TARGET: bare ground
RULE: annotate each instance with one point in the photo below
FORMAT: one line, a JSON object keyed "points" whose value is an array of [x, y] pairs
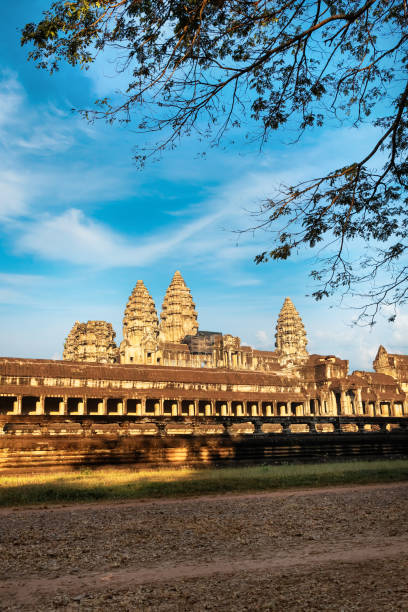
{"points": [[337, 549]]}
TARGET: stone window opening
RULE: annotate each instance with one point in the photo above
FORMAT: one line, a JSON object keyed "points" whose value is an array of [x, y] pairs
{"points": [[114, 405], [184, 407], [74, 406], [297, 408], [94, 405], [204, 408], [150, 406], [133, 407], [52, 405], [7, 404], [167, 407], [237, 409]]}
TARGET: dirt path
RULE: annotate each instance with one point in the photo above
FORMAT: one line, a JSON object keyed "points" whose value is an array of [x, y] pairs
{"points": [[33, 591], [342, 548]]}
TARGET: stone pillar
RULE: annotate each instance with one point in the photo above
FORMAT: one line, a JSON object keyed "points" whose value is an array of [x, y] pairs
{"points": [[39, 405], [343, 402], [332, 404], [158, 408], [174, 408], [392, 408], [192, 409], [207, 409], [81, 406], [103, 406], [143, 406], [358, 402], [254, 410], [121, 409], [306, 406], [224, 409], [62, 408], [269, 409], [17, 405]]}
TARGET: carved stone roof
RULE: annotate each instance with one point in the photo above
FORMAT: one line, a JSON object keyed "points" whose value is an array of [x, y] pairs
{"points": [[11, 366], [140, 322], [290, 334], [178, 317]]}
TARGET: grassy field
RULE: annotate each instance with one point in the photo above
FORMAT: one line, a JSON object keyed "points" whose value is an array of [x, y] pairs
{"points": [[111, 484]]}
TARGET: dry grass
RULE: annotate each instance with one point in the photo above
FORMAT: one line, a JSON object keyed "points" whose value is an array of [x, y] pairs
{"points": [[114, 484]]}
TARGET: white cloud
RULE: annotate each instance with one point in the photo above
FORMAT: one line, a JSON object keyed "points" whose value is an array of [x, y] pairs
{"points": [[75, 238], [13, 190], [46, 140], [11, 99], [18, 280], [44, 129], [265, 339], [35, 176], [207, 241]]}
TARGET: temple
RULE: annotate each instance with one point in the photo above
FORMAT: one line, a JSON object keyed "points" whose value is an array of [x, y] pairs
{"points": [[245, 381], [176, 339], [184, 387]]}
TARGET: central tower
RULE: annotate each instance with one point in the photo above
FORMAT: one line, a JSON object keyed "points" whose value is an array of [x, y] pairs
{"points": [[291, 340], [178, 316], [140, 328]]}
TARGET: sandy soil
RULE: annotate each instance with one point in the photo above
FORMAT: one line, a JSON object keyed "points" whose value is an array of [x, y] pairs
{"points": [[331, 549]]}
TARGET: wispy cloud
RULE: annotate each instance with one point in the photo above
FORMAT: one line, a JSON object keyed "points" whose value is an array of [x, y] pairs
{"points": [[206, 240], [264, 339], [13, 190], [75, 238], [34, 174], [11, 98]]}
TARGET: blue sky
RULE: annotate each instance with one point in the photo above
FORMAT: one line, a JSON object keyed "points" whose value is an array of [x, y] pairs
{"points": [[80, 224]]}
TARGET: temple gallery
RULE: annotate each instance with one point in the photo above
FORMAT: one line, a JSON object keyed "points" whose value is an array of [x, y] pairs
{"points": [[167, 366]]}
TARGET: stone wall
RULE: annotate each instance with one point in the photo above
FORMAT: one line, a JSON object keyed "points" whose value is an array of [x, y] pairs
{"points": [[45, 443]]}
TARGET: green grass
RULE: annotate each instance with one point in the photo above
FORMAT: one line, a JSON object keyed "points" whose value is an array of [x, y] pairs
{"points": [[110, 484]]}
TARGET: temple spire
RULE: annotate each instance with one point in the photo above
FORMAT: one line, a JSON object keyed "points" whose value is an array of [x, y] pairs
{"points": [[290, 335], [140, 326], [178, 317]]}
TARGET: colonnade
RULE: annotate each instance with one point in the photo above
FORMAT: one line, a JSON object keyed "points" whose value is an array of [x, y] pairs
{"points": [[173, 407], [351, 403]]}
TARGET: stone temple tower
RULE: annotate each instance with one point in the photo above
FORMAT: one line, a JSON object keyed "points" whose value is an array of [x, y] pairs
{"points": [[140, 328], [93, 341], [178, 316], [290, 335]]}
